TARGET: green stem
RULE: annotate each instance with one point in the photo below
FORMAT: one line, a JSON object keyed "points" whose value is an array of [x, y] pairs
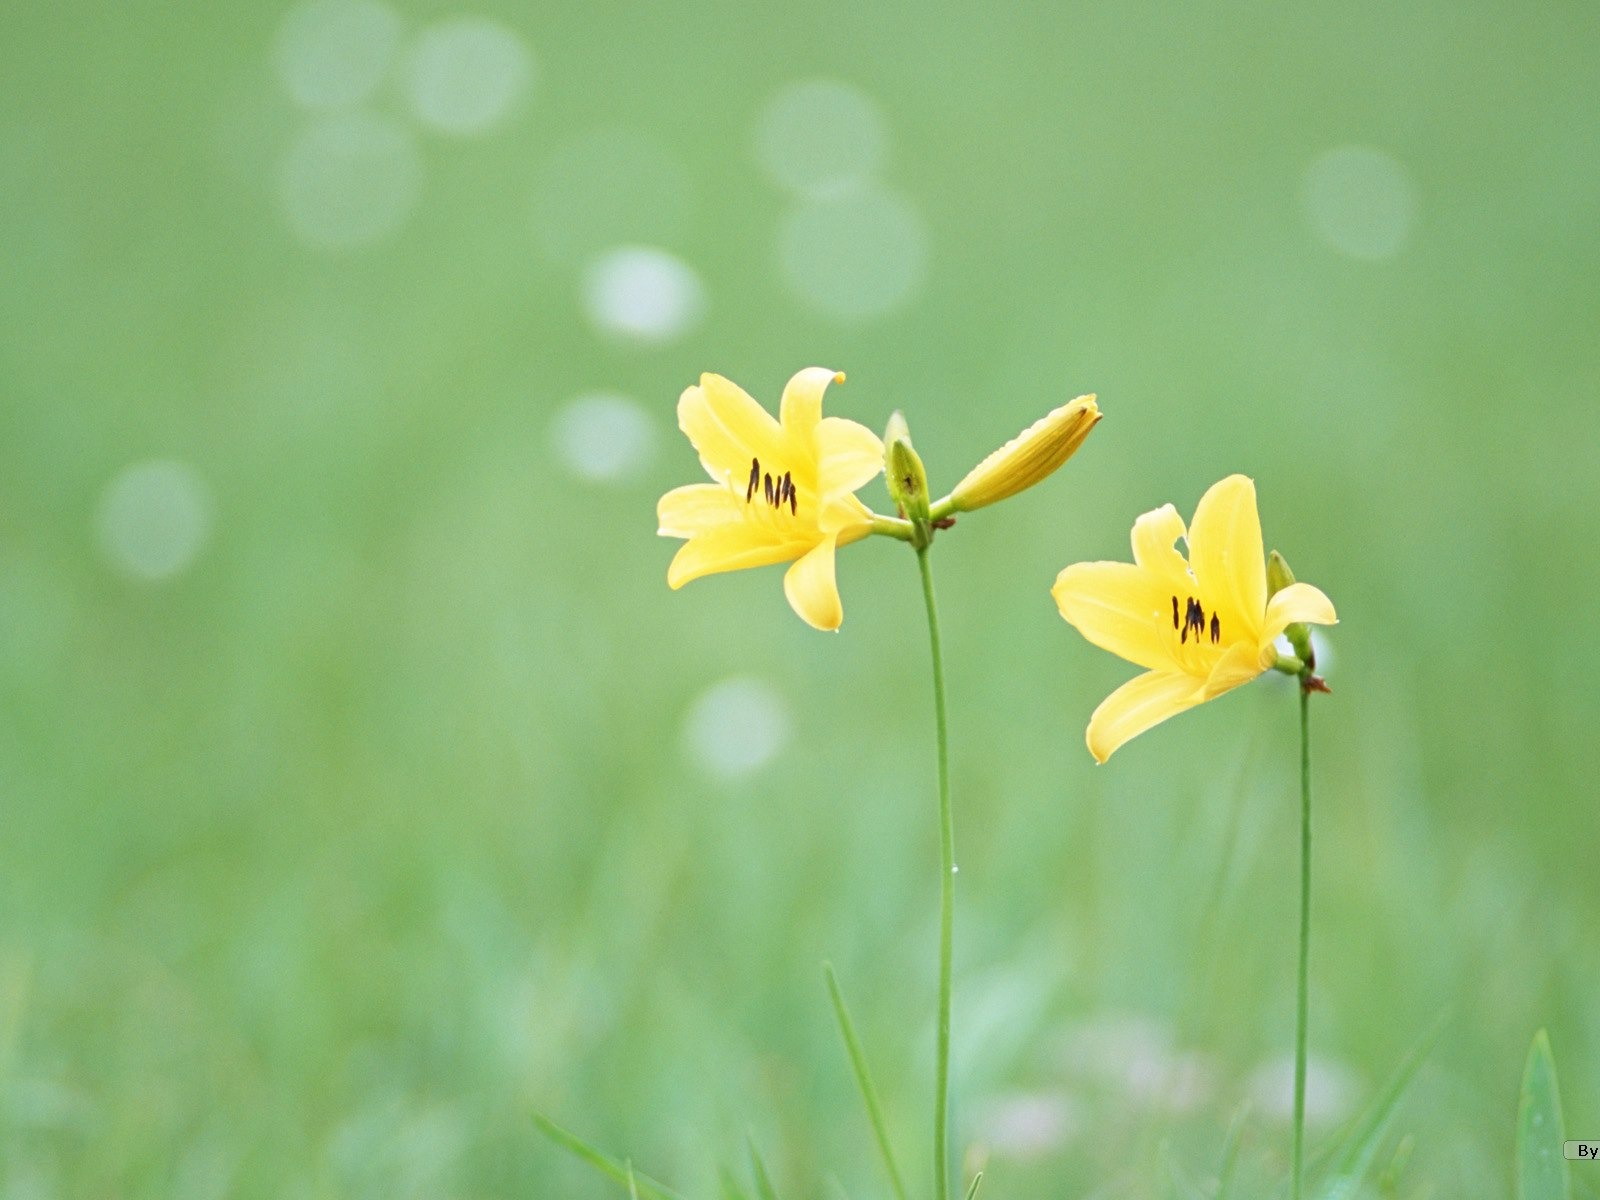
{"points": [[1301, 997], [947, 863], [895, 527]]}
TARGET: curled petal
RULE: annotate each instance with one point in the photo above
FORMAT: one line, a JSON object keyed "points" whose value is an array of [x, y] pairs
{"points": [[801, 406], [812, 589], [1137, 705], [1297, 602], [1155, 537]]}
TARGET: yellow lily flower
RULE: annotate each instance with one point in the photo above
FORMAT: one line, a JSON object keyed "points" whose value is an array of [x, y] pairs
{"points": [[1201, 626], [784, 489]]}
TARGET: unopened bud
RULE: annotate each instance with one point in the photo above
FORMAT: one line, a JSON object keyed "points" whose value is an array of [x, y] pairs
{"points": [[1029, 457], [903, 470], [1279, 576]]}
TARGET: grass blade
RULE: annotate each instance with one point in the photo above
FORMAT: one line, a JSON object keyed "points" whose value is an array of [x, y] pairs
{"points": [[633, 1184], [972, 1191], [642, 1185], [869, 1094], [764, 1188], [732, 1189], [1230, 1152], [1541, 1165], [1350, 1167]]}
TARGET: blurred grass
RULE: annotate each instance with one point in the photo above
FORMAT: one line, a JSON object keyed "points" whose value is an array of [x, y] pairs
{"points": [[329, 858]]}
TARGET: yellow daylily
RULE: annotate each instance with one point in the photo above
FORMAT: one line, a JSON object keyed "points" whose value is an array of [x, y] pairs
{"points": [[1200, 626], [783, 491]]}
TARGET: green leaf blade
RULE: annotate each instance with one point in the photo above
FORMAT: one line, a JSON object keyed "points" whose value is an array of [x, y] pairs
{"points": [[620, 1173], [869, 1094], [1351, 1166], [1542, 1172], [764, 1188]]}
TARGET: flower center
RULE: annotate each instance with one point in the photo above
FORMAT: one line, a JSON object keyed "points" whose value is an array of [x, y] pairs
{"points": [[777, 491], [1194, 621]]}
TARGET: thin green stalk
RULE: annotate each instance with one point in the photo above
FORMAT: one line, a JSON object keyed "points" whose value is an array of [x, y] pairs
{"points": [[947, 863], [895, 527], [1301, 998], [621, 1173], [869, 1094]]}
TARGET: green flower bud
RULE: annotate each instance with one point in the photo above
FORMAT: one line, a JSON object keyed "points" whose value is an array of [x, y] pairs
{"points": [[906, 477], [1279, 576]]}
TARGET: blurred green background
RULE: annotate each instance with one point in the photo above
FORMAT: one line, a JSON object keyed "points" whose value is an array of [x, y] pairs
{"points": [[364, 787]]}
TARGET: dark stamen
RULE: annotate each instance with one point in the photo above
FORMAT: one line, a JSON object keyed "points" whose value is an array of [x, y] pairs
{"points": [[755, 478], [1216, 629], [767, 484], [1194, 618]]}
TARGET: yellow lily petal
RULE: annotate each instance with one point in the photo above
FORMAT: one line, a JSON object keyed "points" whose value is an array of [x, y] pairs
{"points": [[1226, 555], [1138, 704], [1240, 663], [727, 427], [801, 406], [728, 548], [1121, 608], [1297, 602], [848, 454], [812, 590], [1155, 537], [695, 508]]}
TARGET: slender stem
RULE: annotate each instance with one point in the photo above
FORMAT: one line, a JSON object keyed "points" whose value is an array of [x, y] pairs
{"points": [[1301, 998], [895, 527], [947, 863]]}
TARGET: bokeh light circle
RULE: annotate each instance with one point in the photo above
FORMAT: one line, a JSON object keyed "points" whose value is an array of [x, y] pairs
{"points": [[643, 294], [854, 256], [335, 53], [153, 519], [820, 136], [603, 437], [1360, 201], [350, 180], [736, 727], [465, 74]]}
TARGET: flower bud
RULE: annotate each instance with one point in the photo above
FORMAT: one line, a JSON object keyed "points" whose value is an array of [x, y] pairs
{"points": [[1028, 457], [1279, 576], [903, 470]]}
